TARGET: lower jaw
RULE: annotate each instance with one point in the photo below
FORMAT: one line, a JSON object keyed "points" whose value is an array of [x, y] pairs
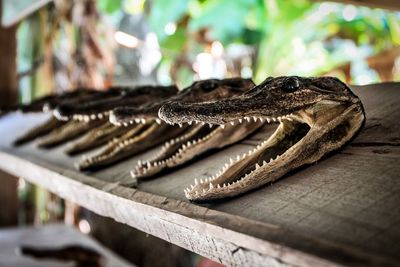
{"points": [[263, 155]]}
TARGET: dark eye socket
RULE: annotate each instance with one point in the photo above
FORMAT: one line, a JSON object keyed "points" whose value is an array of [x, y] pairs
{"points": [[291, 84], [209, 86]]}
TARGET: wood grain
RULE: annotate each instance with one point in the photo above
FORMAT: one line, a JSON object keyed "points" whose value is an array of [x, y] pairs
{"points": [[342, 210]]}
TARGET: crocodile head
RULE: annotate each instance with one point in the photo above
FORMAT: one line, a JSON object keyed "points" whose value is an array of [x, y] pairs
{"points": [[200, 138], [148, 133], [198, 91], [100, 104], [315, 115]]}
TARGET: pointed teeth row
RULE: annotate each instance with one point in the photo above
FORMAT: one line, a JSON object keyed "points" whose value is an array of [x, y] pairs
{"points": [[144, 167], [90, 117], [241, 120], [226, 166], [135, 121]]}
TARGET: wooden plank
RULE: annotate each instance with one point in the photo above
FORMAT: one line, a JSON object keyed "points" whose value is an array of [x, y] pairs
{"points": [[8, 97], [342, 210], [49, 236]]}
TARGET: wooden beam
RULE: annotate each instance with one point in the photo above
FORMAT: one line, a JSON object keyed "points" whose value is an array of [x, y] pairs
{"points": [[8, 96], [343, 210]]}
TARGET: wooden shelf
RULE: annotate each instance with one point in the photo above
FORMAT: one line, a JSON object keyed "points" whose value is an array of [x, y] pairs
{"points": [[342, 210]]}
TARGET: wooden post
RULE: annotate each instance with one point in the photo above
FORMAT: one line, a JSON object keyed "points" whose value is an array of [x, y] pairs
{"points": [[8, 96]]}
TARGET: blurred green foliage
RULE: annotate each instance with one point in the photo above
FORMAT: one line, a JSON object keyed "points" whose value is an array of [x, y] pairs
{"points": [[285, 33]]}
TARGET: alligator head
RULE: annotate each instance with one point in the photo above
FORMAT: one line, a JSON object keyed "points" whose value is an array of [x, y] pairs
{"points": [[45, 104], [99, 105], [198, 91], [316, 116], [200, 138], [68, 131], [153, 134]]}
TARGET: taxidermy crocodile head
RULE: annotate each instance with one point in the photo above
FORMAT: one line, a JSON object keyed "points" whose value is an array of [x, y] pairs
{"points": [[100, 104], [47, 103], [199, 91], [149, 133], [316, 116], [200, 138]]}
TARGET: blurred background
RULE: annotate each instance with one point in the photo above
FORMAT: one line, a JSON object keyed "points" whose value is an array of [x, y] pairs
{"points": [[67, 44]]}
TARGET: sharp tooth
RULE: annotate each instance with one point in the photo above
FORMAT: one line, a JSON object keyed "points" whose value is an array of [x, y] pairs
{"points": [[192, 186], [271, 160], [201, 180], [244, 155], [190, 122], [218, 186], [279, 119], [210, 125], [274, 119], [211, 186], [195, 181], [240, 120], [158, 121], [222, 126], [148, 164], [232, 122], [257, 166], [224, 185], [231, 160], [180, 125], [247, 119], [238, 158], [143, 121], [137, 120], [203, 123], [261, 119], [155, 163], [255, 119], [125, 124], [268, 120], [264, 162]]}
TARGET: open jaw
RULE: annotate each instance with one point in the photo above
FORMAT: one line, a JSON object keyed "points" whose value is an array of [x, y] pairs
{"points": [[316, 116], [196, 141], [96, 138], [67, 132], [140, 138], [242, 173], [38, 131]]}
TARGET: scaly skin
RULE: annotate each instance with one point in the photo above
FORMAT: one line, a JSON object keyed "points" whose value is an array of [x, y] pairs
{"points": [[100, 105], [198, 91], [201, 138], [316, 116]]}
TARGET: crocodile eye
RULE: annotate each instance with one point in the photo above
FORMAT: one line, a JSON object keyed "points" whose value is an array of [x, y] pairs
{"points": [[209, 86], [291, 84]]}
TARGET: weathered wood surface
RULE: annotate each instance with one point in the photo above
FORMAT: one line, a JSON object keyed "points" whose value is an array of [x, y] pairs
{"points": [[343, 210], [49, 236]]}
